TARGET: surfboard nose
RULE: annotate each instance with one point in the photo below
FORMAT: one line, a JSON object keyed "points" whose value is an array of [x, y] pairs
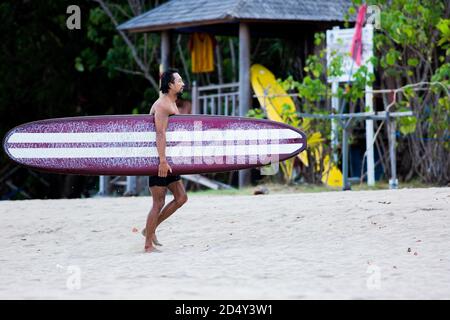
{"points": [[299, 138], [5, 141]]}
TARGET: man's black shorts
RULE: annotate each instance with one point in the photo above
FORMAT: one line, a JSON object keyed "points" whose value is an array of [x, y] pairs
{"points": [[162, 181]]}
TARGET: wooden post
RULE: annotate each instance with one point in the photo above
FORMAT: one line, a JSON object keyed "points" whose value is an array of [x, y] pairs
{"points": [[244, 85], [346, 183], [104, 188], [335, 109], [393, 182], [131, 187], [369, 122], [244, 69], [334, 122], [165, 50], [195, 104]]}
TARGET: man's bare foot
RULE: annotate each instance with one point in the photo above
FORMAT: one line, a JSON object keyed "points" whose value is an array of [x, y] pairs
{"points": [[154, 239], [150, 248]]}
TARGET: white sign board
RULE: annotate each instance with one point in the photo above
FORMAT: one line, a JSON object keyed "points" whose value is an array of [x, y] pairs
{"points": [[339, 41]]}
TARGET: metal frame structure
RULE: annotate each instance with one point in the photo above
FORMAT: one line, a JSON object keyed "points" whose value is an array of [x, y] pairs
{"points": [[345, 120]]}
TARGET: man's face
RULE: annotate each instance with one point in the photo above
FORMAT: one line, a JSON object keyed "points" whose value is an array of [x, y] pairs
{"points": [[178, 84]]}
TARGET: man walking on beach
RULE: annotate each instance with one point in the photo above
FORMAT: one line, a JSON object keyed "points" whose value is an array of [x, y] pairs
{"points": [[171, 88]]}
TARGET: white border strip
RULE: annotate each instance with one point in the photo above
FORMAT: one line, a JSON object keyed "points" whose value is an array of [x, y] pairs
{"points": [[146, 152], [182, 136]]}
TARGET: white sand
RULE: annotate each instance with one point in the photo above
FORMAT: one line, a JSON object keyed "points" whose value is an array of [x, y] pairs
{"points": [[335, 245]]}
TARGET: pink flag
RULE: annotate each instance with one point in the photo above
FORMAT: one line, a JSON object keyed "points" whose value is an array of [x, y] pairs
{"points": [[356, 50]]}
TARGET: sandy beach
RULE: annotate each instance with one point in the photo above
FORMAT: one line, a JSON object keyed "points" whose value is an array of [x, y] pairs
{"points": [[388, 244]]}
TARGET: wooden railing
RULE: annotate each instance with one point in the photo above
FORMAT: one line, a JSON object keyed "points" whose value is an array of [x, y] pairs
{"points": [[216, 99]]}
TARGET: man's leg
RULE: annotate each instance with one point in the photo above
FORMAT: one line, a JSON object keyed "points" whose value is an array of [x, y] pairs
{"points": [[158, 196], [180, 198]]}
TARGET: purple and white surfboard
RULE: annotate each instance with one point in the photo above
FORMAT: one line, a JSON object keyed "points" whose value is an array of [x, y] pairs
{"points": [[126, 144]]}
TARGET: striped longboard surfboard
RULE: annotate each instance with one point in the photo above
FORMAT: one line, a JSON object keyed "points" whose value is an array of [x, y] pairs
{"points": [[126, 144]]}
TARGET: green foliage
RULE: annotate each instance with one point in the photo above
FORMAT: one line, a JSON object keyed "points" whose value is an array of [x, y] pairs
{"points": [[49, 71], [311, 89], [319, 38], [414, 46], [88, 59], [442, 74], [79, 64], [444, 41], [335, 65], [255, 113], [99, 27], [413, 62], [407, 125], [391, 57]]}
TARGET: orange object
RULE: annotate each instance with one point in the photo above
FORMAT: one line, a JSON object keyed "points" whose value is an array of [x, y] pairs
{"points": [[201, 46]]}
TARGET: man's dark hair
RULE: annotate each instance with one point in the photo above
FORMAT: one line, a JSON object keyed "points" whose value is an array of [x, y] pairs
{"points": [[166, 78]]}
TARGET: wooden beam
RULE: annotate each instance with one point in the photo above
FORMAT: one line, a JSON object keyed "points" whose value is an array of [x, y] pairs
{"points": [[244, 69], [165, 54], [244, 85], [165, 50], [212, 184]]}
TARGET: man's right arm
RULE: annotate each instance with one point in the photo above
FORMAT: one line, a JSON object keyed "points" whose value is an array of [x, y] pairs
{"points": [[161, 123]]}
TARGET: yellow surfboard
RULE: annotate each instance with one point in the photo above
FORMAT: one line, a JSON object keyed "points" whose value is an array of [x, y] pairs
{"points": [[265, 86]]}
